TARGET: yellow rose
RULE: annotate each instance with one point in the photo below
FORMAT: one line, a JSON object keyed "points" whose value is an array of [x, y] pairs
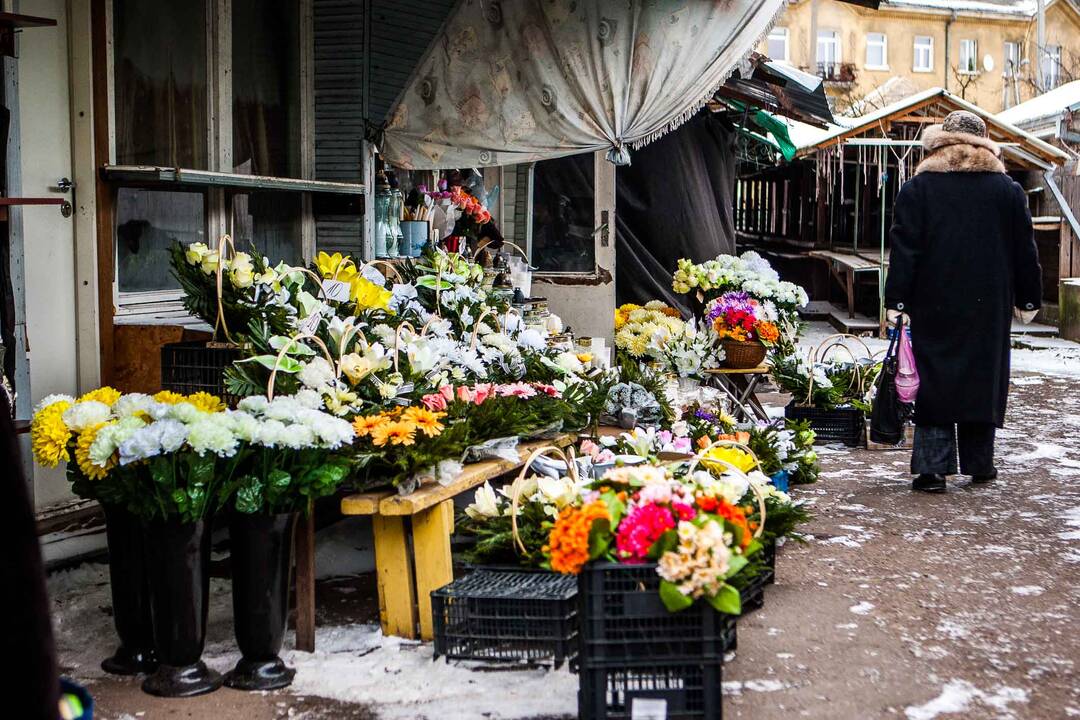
{"points": [[242, 271], [209, 262], [195, 253]]}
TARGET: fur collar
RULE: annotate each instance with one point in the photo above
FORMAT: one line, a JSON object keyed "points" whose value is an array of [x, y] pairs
{"points": [[958, 152]]}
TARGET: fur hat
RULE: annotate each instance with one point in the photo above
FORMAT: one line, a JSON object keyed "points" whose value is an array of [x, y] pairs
{"points": [[959, 150], [962, 121]]}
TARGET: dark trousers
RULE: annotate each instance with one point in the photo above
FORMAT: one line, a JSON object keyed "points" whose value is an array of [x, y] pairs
{"points": [[937, 446]]}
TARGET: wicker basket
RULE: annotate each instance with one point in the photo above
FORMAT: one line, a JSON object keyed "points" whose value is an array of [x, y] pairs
{"points": [[742, 354]]}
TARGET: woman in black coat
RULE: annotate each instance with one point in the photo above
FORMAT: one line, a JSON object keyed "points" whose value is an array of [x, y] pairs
{"points": [[963, 263]]}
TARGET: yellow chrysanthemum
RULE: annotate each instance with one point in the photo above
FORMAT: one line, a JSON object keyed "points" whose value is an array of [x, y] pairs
{"points": [[368, 295], [106, 395], [82, 453], [206, 402], [169, 397], [49, 435], [400, 432]]}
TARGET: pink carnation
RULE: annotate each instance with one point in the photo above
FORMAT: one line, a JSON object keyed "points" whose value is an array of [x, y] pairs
{"points": [[482, 392], [642, 527], [435, 402], [447, 392], [549, 390]]}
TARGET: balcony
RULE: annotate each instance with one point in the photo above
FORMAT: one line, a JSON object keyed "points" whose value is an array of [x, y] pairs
{"points": [[836, 73]]}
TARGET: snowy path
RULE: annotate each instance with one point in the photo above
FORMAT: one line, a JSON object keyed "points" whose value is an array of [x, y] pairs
{"points": [[920, 607]]}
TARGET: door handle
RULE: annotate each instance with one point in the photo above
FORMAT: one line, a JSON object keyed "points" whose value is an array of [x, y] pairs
{"points": [[63, 185]]}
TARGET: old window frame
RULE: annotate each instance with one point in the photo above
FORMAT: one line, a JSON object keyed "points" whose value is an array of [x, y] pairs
{"points": [[877, 40], [969, 57], [779, 34], [218, 182], [920, 44]]}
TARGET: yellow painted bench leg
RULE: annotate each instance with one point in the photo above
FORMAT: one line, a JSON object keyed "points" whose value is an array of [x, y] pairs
{"points": [[397, 598], [431, 541]]}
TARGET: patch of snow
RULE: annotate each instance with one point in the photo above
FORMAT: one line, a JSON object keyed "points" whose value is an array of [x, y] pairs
{"points": [[1072, 519], [844, 540], [958, 695], [1027, 590], [862, 608], [952, 629], [736, 687]]}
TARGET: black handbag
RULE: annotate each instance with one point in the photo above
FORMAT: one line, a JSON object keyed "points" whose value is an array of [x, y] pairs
{"points": [[888, 415]]}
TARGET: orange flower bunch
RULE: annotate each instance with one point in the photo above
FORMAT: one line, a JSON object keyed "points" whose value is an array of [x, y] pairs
{"points": [[399, 427], [767, 332], [740, 437], [568, 543], [737, 517]]}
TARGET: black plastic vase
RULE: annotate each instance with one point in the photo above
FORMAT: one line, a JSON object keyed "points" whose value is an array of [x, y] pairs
{"points": [[130, 594], [179, 557], [261, 555]]}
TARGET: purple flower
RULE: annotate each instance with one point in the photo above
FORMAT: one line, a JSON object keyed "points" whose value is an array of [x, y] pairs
{"points": [[735, 301]]}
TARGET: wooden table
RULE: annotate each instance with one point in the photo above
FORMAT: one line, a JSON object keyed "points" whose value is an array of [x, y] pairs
{"points": [[412, 547], [844, 267], [740, 385]]}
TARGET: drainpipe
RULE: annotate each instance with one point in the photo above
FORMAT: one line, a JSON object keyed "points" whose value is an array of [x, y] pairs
{"points": [[948, 45]]}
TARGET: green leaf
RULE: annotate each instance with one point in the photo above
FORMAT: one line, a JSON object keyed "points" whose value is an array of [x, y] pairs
{"points": [[429, 281], [249, 499], [200, 469], [616, 507], [735, 565], [286, 364], [599, 538], [295, 348], [674, 600], [727, 600], [665, 543]]}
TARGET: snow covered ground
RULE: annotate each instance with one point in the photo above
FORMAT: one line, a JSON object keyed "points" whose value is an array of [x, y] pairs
{"points": [[921, 608]]}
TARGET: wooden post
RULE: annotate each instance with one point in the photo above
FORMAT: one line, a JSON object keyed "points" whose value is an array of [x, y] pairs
{"points": [[431, 544], [397, 596], [305, 582]]}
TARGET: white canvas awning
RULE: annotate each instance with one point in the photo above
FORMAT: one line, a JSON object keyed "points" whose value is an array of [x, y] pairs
{"points": [[510, 82]]}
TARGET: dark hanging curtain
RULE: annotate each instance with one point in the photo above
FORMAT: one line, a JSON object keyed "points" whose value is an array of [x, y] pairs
{"points": [[674, 201]]}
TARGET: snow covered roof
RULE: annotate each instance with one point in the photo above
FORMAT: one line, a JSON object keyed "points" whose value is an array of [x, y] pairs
{"points": [[1033, 149], [1046, 106], [1007, 8]]}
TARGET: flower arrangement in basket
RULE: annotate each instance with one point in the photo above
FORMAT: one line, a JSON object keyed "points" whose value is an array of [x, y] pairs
{"points": [[825, 382], [656, 333], [744, 328]]}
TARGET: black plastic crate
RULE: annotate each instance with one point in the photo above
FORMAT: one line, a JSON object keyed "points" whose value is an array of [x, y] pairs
{"points": [[196, 366], [768, 554], [623, 621], [839, 425], [688, 691], [752, 595], [507, 616]]}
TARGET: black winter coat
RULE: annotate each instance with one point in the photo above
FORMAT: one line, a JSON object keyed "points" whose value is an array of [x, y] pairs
{"points": [[963, 255]]}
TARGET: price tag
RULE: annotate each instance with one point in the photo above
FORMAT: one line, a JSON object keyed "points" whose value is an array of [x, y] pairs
{"points": [[310, 324], [648, 709], [335, 290]]}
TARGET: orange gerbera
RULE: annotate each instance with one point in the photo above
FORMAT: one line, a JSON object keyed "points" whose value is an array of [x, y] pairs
{"points": [[364, 426], [394, 433], [426, 421], [568, 543]]}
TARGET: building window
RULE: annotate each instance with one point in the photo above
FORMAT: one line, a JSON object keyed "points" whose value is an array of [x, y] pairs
{"points": [[969, 57], [778, 44], [159, 56], [828, 53], [924, 54], [563, 215], [147, 223], [877, 51], [1051, 67], [1011, 56]]}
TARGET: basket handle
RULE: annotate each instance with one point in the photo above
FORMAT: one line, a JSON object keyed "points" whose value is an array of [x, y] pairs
{"points": [[488, 241], [519, 484], [397, 340], [386, 263], [476, 327], [285, 349], [836, 340], [226, 239], [753, 486]]}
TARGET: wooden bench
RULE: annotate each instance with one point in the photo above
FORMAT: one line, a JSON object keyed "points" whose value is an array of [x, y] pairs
{"points": [[844, 267], [412, 547]]}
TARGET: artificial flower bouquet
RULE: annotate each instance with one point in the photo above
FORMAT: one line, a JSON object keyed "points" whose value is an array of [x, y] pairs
{"points": [[641, 330], [171, 455], [698, 539], [738, 317], [827, 384]]}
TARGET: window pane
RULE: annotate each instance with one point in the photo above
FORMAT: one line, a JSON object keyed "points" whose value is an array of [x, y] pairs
{"points": [[147, 223], [269, 221], [159, 53], [875, 50], [778, 43], [563, 217], [266, 88], [828, 46]]}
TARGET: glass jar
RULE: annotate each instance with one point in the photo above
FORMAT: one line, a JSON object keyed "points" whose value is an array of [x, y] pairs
{"points": [[383, 198]]}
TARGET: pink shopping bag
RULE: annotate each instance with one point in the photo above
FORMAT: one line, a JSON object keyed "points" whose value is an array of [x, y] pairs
{"points": [[907, 376]]}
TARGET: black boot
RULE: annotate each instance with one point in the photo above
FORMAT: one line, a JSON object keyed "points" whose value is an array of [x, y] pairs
{"points": [[984, 478], [929, 483]]}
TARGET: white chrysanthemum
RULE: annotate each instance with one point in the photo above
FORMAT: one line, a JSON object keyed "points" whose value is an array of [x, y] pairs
{"points": [[308, 398], [132, 403], [254, 404], [185, 412], [172, 434], [50, 399], [299, 437], [244, 425], [110, 437], [142, 444], [317, 373], [86, 414], [212, 434], [272, 433]]}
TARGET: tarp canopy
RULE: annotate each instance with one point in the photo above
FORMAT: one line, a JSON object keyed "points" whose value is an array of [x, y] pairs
{"points": [[512, 82]]}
